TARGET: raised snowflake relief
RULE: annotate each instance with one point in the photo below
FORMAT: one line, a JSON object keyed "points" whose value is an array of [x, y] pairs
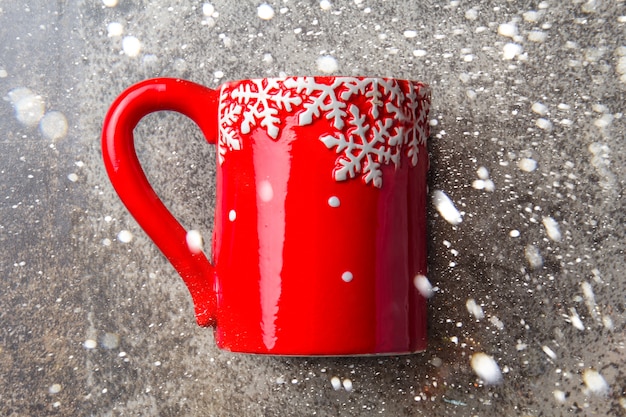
{"points": [[374, 120]]}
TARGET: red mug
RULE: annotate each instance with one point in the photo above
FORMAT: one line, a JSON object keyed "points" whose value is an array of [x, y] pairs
{"points": [[320, 220]]}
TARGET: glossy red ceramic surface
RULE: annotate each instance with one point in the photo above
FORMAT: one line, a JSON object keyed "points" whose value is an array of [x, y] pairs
{"points": [[320, 225]]}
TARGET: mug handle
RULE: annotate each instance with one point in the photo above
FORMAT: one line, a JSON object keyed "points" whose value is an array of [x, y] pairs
{"points": [[198, 103]]}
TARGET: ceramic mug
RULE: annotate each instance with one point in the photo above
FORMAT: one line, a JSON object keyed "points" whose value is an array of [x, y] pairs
{"points": [[320, 225]]}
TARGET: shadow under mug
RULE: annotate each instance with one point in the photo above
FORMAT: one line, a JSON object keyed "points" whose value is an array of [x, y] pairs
{"points": [[320, 218]]}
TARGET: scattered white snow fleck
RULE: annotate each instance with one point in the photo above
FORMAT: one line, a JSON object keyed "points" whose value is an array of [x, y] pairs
{"points": [[3, 73], [531, 16], [115, 29], [29, 107], [424, 286], [208, 9], [325, 5], [544, 124], [54, 389], [336, 383], [53, 125], [537, 36], [419, 53], [540, 108], [446, 207], [595, 382], [218, 74], [265, 11], [575, 319], [471, 14], [131, 46], [604, 121], [549, 352], [110, 3], [124, 236], [72, 177], [527, 164], [552, 228], [533, 256], [483, 173], [194, 241], [474, 309], [90, 344], [486, 368], [232, 215], [607, 321], [327, 64], [410, 34], [511, 50], [347, 384], [559, 395], [334, 201], [496, 322], [508, 29], [514, 233]]}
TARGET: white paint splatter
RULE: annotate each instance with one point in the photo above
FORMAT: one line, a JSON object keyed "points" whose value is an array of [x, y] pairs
{"points": [[446, 208], [265, 11], [194, 241], [424, 286], [232, 215], [486, 368], [327, 64], [131, 46], [595, 382]]}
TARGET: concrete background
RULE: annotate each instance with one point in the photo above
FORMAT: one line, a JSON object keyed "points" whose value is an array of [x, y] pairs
{"points": [[93, 326]]}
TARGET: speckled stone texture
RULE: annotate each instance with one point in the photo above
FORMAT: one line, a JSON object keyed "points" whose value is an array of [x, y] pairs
{"points": [[527, 141]]}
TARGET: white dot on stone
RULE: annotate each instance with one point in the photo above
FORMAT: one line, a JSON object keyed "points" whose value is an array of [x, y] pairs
{"points": [[507, 29], [115, 29], [327, 64], [334, 201], [265, 190], [3, 73], [419, 53], [471, 14], [347, 276], [110, 3], [483, 173], [72, 177], [486, 368], [232, 215], [410, 34], [537, 36], [527, 164], [540, 108], [54, 388], [347, 384], [218, 74], [90, 344], [194, 241], [265, 11], [514, 233], [29, 107], [336, 383], [208, 9], [131, 46], [325, 5], [595, 382], [511, 50], [544, 124], [424, 286], [53, 125], [124, 236], [110, 341], [552, 228]]}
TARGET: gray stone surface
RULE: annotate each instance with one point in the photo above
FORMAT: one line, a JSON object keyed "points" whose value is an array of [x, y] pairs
{"points": [[90, 325]]}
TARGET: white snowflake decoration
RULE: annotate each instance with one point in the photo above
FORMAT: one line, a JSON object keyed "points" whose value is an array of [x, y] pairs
{"points": [[391, 118]]}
